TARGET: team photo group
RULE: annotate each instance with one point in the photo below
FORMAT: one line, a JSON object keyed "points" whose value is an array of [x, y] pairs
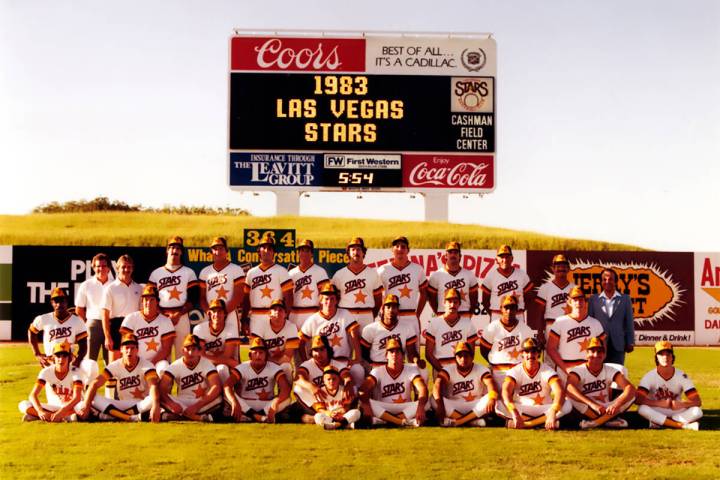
{"points": [[348, 351]]}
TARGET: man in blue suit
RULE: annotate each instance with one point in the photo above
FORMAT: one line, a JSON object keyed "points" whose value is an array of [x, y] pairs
{"points": [[614, 311]]}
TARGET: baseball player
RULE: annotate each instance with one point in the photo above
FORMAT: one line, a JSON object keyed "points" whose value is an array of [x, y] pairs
{"points": [[340, 327], [88, 305], [265, 283], [332, 406], [505, 280], [501, 341], [359, 285], [154, 331], [255, 381], [589, 390], [407, 281], [660, 393], [445, 332], [63, 393], [553, 294], [220, 337], [307, 280], [198, 384], [136, 386], [280, 336], [570, 335], [222, 280], [177, 286], [464, 391], [376, 335], [452, 275], [120, 299], [532, 392], [386, 394], [58, 326], [309, 377]]}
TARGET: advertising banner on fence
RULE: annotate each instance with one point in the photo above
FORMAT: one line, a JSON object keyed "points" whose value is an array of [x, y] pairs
{"points": [[707, 298]]}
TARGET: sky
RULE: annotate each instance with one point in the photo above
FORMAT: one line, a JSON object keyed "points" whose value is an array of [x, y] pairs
{"points": [[608, 113]]}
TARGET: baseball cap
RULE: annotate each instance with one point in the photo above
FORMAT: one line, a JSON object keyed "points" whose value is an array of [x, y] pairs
{"points": [[330, 369], [504, 250], [401, 239], [393, 344], [218, 303], [596, 342], [329, 289], [577, 292], [509, 300], [176, 240], [257, 343], [318, 341], [663, 345], [128, 339], [391, 299], [452, 293], [62, 349], [150, 291], [278, 303], [57, 292], [305, 244], [463, 347], [560, 259], [452, 246], [219, 242], [192, 341], [356, 242], [530, 344], [267, 239]]}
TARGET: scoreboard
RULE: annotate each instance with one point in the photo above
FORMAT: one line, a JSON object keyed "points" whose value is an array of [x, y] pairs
{"points": [[403, 113]]}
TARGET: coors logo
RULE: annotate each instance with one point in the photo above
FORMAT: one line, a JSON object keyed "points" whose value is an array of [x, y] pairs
{"points": [[287, 53], [452, 172]]}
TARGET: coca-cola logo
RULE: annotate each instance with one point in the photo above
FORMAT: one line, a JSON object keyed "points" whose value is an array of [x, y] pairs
{"points": [[297, 54], [459, 175]]}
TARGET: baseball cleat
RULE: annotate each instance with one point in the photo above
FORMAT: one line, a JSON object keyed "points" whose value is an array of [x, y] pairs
{"points": [[448, 422], [691, 426], [617, 423], [587, 424], [478, 422]]}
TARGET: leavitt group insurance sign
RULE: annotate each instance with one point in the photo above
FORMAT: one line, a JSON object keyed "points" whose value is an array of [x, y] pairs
{"points": [[364, 112]]}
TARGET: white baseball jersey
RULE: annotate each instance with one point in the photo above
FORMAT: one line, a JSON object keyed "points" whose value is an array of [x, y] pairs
{"points": [[404, 282], [498, 286], [554, 299], [357, 291], [337, 329], [314, 372], [469, 387], [257, 385], [220, 284], [266, 285], [286, 337], [397, 389], [376, 335], [463, 280], [657, 388], [58, 391], [447, 336], [173, 285], [69, 331], [215, 341], [505, 345], [574, 337], [595, 386], [121, 299], [150, 334], [306, 286], [332, 403], [131, 384], [89, 296], [532, 390], [192, 383]]}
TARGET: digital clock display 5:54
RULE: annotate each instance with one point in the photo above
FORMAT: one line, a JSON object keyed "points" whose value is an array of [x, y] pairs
{"points": [[350, 178]]}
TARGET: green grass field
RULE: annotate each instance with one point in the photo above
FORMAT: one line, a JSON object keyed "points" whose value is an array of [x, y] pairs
{"points": [[152, 229], [185, 450]]}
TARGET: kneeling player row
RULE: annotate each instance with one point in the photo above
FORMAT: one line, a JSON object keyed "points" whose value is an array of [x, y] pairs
{"points": [[396, 393]]}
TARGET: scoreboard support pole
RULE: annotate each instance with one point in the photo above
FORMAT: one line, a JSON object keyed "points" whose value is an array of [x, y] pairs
{"points": [[436, 206], [287, 203]]}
